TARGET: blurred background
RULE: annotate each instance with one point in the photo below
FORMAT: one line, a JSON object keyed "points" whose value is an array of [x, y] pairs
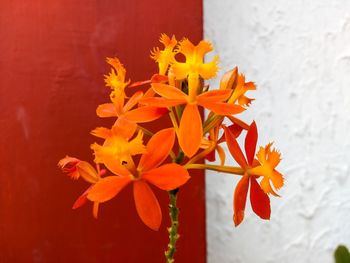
{"points": [[298, 54]]}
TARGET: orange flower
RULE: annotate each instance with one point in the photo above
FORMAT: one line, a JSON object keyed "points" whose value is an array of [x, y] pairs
{"points": [[194, 67], [149, 171], [76, 168], [268, 160], [166, 56], [190, 129], [125, 112], [118, 146], [259, 200], [116, 78]]}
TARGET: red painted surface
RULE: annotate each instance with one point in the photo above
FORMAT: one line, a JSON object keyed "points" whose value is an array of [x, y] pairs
{"points": [[52, 63]]}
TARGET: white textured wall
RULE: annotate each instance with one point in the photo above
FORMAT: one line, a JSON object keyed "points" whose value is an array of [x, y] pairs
{"points": [[298, 53]]}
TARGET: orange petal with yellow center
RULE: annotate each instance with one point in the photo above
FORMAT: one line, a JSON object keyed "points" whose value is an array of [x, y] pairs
{"points": [[169, 92], [259, 199], [106, 110], [221, 108], [157, 149], [250, 142], [147, 205], [190, 130], [107, 188], [239, 201], [167, 177], [234, 148], [145, 114]]}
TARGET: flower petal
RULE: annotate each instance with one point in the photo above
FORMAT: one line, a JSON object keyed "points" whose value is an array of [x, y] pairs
{"points": [[124, 128], [145, 114], [273, 158], [169, 92], [101, 132], [228, 79], [266, 186], [235, 129], [95, 207], [157, 149], [133, 101], [115, 167], [234, 148], [190, 130], [167, 177], [106, 110], [221, 108], [82, 199], [209, 70], [180, 70], [222, 154], [259, 199], [238, 122], [87, 172], [147, 205], [107, 188], [250, 142], [161, 102], [277, 179], [214, 95], [139, 83], [67, 160], [156, 78], [240, 197]]}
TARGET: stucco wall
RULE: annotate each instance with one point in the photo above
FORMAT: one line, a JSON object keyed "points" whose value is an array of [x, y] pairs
{"points": [[298, 53]]}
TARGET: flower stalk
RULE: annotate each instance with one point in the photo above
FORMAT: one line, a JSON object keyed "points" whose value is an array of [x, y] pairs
{"points": [[173, 229]]}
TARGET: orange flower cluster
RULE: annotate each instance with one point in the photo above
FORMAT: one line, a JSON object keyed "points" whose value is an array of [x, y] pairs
{"points": [[129, 154]]}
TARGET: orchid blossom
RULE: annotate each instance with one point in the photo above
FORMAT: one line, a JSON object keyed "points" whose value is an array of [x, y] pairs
{"points": [[130, 154]]}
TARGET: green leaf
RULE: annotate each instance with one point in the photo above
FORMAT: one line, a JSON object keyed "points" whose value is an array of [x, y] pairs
{"points": [[342, 255]]}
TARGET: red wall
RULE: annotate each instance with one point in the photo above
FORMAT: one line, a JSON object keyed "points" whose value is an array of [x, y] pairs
{"points": [[52, 63]]}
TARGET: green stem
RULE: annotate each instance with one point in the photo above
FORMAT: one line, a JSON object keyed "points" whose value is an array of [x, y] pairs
{"points": [[173, 229], [174, 217]]}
